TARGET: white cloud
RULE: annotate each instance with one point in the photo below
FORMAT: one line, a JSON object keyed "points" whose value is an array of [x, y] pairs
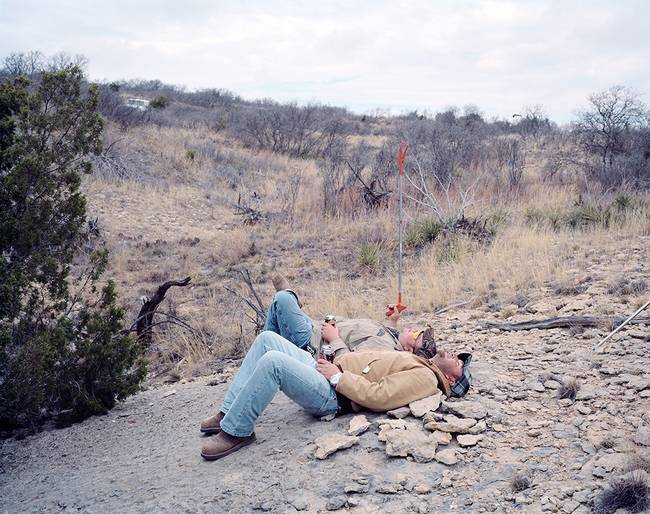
{"points": [[499, 55]]}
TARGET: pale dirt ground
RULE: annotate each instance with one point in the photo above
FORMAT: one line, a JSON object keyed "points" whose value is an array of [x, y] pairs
{"points": [[144, 455]]}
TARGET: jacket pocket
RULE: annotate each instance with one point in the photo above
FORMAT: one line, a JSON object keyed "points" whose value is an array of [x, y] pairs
{"points": [[366, 370]]}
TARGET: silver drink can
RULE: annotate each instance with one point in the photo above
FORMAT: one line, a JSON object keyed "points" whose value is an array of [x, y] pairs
{"points": [[327, 352]]}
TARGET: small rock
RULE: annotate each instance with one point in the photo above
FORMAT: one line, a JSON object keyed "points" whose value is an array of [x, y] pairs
{"points": [[466, 409], [552, 384], [358, 425], [468, 440], [422, 489], [388, 488], [300, 504], [642, 437], [336, 503], [451, 424], [356, 488], [584, 409], [401, 443], [420, 407], [169, 393], [400, 413], [328, 417], [329, 443], [394, 424], [442, 437], [479, 428], [448, 457], [565, 402]]}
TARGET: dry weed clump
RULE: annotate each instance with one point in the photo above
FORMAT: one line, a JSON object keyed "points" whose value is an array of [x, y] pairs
{"points": [[568, 389], [631, 492], [519, 482]]}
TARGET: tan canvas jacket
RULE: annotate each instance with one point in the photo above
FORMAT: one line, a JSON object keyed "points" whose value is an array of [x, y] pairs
{"points": [[356, 335], [382, 381]]}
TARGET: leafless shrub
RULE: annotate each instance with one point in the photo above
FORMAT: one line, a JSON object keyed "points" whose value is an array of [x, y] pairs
{"points": [[624, 286], [519, 482], [631, 492], [568, 389]]}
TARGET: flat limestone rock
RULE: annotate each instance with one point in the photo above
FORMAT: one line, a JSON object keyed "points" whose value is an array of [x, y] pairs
{"points": [[452, 424], [399, 413], [479, 428], [394, 424], [468, 440], [420, 407], [442, 437], [448, 457], [331, 442], [401, 443], [358, 425], [642, 437], [466, 409]]}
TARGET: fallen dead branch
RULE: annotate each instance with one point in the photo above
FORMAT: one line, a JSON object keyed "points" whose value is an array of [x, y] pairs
{"points": [[255, 303], [608, 322]]}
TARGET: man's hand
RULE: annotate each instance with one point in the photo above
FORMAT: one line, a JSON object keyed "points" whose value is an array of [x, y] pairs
{"points": [[394, 316], [326, 368], [329, 332]]}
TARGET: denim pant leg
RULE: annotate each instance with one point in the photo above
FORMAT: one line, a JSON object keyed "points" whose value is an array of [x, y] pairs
{"points": [[278, 370], [263, 343], [286, 318]]}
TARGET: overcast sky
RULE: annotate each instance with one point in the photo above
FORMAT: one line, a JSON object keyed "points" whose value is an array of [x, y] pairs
{"points": [[397, 55]]}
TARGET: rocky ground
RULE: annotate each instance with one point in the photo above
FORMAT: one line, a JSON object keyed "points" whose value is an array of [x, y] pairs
{"points": [[515, 445]]}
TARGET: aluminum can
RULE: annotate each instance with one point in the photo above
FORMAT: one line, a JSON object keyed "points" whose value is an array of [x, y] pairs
{"points": [[331, 319], [327, 352]]}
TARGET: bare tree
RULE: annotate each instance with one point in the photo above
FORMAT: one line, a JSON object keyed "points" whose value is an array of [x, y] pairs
{"points": [[607, 128]]}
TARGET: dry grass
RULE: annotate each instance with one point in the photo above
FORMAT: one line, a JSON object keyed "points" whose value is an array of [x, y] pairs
{"points": [[175, 217]]}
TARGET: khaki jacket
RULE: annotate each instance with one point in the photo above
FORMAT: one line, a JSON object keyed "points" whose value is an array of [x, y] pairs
{"points": [[381, 381], [356, 335]]}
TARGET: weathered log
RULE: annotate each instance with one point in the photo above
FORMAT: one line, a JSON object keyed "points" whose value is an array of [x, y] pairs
{"points": [[144, 321], [607, 322]]}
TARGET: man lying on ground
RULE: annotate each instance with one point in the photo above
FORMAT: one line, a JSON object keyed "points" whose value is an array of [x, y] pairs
{"points": [[375, 380], [286, 317]]}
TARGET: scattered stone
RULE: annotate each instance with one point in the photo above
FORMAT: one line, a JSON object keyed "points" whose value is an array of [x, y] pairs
{"points": [[422, 489], [451, 424], [401, 443], [420, 407], [535, 385], [328, 417], [400, 413], [357, 488], [169, 393], [552, 384], [394, 424], [565, 402], [589, 392], [331, 442], [388, 488], [442, 437], [448, 457], [466, 409], [642, 437], [584, 409], [300, 504], [358, 425], [479, 428], [336, 502], [468, 440]]}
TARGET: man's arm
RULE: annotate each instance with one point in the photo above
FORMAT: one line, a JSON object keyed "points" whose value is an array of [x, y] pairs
{"points": [[390, 392]]}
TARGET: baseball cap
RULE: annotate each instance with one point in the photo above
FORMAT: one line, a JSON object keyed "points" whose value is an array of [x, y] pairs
{"points": [[462, 384]]}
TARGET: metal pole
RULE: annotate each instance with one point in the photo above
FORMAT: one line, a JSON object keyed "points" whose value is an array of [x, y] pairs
{"points": [[641, 309]]}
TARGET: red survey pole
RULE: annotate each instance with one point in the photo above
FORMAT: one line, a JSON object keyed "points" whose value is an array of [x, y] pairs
{"points": [[401, 157]]}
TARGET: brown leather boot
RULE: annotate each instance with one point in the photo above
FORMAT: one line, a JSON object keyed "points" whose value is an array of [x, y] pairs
{"points": [[281, 283], [224, 444], [212, 425]]}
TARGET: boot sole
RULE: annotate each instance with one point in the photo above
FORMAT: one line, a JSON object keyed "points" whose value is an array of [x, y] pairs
{"points": [[210, 431], [215, 456]]}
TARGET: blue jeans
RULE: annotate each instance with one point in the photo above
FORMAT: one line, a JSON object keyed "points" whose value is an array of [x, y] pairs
{"points": [[274, 363], [286, 318]]}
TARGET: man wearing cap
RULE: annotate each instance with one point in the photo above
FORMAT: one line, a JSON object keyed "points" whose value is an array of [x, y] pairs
{"points": [[375, 380]]}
